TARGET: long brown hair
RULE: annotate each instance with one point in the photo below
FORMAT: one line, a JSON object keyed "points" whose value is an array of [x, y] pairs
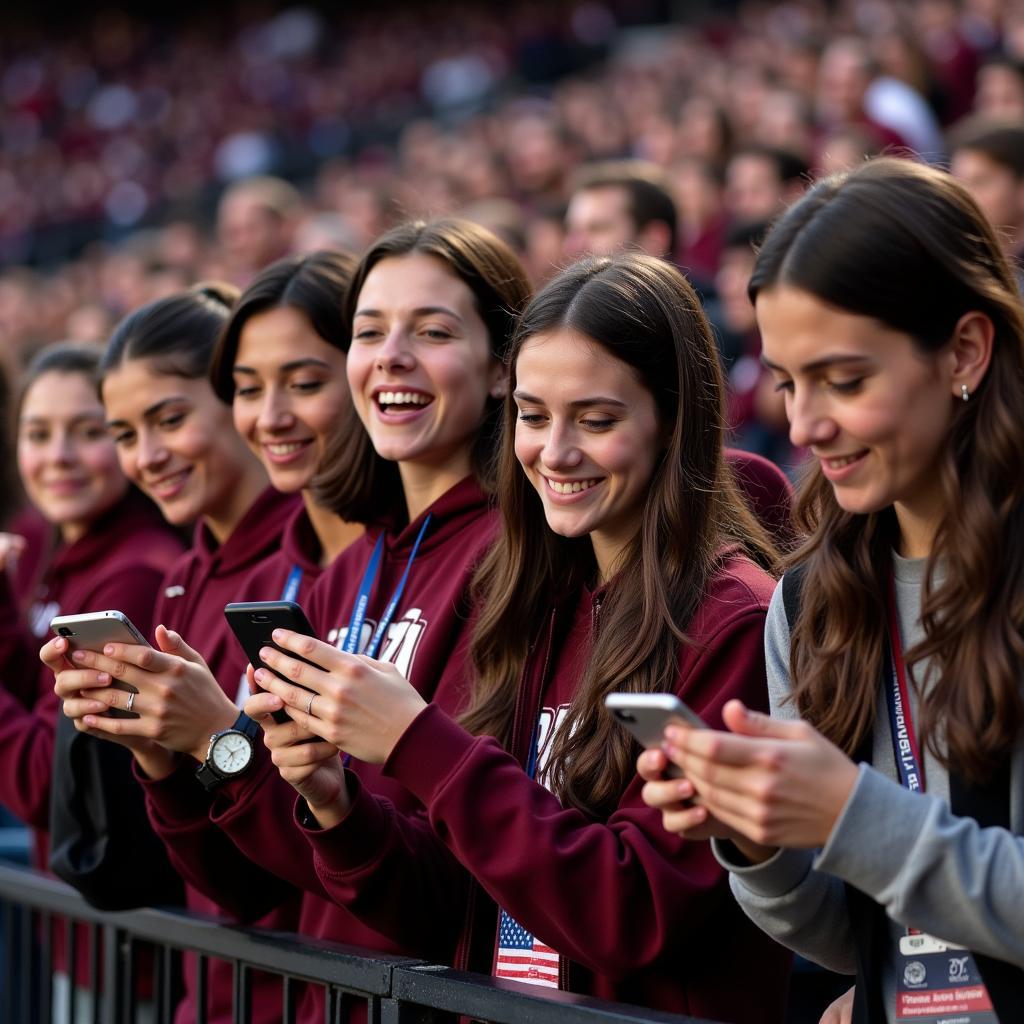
{"points": [[357, 483], [644, 313], [906, 245]]}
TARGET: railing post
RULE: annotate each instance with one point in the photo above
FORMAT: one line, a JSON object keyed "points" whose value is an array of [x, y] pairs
{"points": [[113, 974]]}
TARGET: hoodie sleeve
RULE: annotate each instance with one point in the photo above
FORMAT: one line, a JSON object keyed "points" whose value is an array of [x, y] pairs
{"points": [[203, 854], [19, 649], [576, 884]]}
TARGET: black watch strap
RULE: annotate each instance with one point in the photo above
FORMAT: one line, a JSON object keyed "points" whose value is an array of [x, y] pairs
{"points": [[207, 773]]}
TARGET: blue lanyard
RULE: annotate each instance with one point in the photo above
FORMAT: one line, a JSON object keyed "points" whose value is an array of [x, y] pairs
{"points": [[897, 693], [292, 584], [369, 581]]}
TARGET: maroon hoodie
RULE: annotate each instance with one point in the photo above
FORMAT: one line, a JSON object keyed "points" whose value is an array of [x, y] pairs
{"points": [[257, 810], [192, 600], [118, 563], [628, 911]]}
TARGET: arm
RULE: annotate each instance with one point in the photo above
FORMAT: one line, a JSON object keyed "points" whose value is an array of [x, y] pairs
{"points": [[544, 863], [26, 756], [18, 646]]}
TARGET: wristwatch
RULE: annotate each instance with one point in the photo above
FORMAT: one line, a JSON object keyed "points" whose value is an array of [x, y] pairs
{"points": [[230, 753]]}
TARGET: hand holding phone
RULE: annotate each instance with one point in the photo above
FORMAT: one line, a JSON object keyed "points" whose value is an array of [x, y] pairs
{"points": [[91, 631], [254, 622], [646, 715]]}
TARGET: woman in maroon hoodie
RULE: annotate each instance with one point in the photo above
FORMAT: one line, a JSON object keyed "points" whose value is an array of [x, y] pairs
{"points": [[623, 564], [106, 546], [175, 439], [433, 306]]}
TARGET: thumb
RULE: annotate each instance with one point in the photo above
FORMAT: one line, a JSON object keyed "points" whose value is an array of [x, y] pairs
{"points": [[741, 720], [171, 642]]}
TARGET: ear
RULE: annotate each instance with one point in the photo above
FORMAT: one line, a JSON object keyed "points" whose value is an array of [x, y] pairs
{"points": [[971, 351], [498, 382]]}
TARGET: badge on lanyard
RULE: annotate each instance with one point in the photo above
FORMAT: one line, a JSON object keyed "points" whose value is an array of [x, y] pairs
{"points": [[936, 981]]}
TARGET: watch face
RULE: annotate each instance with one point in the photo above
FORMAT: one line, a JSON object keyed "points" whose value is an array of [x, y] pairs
{"points": [[231, 753]]}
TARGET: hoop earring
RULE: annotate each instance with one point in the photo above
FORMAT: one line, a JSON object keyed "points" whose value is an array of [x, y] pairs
{"points": [[964, 393]]}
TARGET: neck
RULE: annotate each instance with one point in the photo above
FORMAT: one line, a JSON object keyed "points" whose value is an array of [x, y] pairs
{"points": [[424, 484], [608, 552], [333, 532], [71, 532], [240, 498], [917, 529]]}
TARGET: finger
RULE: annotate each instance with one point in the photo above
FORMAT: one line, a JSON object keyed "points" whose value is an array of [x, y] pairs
{"points": [[687, 819], [70, 681], [172, 642], [667, 793], [53, 654], [745, 722], [75, 708], [304, 755], [651, 764], [261, 705], [118, 700], [309, 647], [293, 671], [747, 780], [134, 656], [118, 726], [717, 746]]}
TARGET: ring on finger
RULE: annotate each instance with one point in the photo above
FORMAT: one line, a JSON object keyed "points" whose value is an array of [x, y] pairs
{"points": [[309, 704], [131, 701]]}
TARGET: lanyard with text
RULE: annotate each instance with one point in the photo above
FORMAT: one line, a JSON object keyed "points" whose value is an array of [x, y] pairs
{"points": [[897, 694], [937, 981], [369, 581], [292, 584]]}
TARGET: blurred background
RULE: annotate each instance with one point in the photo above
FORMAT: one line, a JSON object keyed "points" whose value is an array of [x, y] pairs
{"points": [[140, 152]]}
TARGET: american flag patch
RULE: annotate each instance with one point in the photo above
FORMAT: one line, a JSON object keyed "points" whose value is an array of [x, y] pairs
{"points": [[521, 957]]}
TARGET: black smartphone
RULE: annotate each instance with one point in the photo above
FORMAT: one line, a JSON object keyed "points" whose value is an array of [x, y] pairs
{"points": [[254, 622], [91, 631]]}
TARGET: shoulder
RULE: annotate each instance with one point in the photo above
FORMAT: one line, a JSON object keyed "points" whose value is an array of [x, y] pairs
{"points": [[739, 589]]}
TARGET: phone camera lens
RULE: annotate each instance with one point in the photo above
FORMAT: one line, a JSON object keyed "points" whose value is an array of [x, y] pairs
{"points": [[625, 716], [64, 631]]}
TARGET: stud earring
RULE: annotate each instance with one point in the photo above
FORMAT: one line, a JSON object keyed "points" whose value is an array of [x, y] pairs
{"points": [[964, 393]]}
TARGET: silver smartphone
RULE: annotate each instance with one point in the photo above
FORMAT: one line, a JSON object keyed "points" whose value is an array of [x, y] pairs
{"points": [[90, 631], [645, 715]]}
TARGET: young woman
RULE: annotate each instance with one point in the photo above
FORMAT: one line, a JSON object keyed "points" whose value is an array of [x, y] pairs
{"points": [[280, 363], [432, 306], [106, 547], [873, 824], [618, 567], [176, 441]]}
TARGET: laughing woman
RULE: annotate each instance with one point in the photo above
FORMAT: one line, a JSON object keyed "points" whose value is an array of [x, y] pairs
{"points": [[881, 835], [619, 566]]}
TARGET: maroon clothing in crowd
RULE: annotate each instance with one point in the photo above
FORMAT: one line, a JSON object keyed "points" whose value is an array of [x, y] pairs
{"points": [[256, 810], [195, 591], [638, 914]]}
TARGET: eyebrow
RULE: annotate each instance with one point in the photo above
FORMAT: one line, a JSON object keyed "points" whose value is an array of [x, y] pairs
{"points": [[819, 364], [85, 417], [152, 411], [295, 364], [580, 403], [419, 311]]}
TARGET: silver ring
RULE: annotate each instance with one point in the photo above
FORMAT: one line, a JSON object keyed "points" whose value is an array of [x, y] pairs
{"points": [[309, 704], [131, 701]]}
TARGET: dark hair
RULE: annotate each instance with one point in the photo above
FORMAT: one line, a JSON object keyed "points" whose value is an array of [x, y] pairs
{"points": [[906, 245], [176, 334], [642, 311], [748, 235], [358, 484], [647, 190], [315, 284], [61, 357], [1001, 142], [790, 167]]}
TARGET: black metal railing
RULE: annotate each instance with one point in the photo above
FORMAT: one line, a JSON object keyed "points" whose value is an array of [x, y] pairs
{"points": [[354, 982]]}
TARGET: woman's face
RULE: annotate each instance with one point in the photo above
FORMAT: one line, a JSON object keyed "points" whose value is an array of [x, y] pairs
{"points": [[588, 437], [872, 407], [175, 440], [66, 459], [420, 367], [290, 391]]}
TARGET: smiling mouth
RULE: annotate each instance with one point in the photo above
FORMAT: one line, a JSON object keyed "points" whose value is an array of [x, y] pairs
{"points": [[571, 486], [286, 447], [842, 461], [169, 484], [392, 402]]}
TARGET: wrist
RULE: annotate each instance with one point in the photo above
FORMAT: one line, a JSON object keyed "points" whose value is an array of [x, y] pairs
{"points": [[754, 852], [156, 762], [225, 719]]}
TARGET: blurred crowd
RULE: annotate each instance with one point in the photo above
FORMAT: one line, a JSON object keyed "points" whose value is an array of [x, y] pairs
{"points": [[139, 156]]}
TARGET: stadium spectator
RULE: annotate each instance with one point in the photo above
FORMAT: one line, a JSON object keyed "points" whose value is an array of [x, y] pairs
{"points": [[761, 181], [892, 321]]}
